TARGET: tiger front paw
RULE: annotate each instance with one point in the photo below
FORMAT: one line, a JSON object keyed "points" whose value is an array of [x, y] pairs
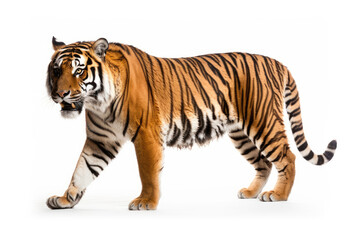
{"points": [[246, 193], [56, 202], [69, 200], [142, 203]]}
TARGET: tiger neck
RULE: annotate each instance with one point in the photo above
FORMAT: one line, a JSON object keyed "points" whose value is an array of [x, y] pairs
{"points": [[115, 77], [99, 102]]}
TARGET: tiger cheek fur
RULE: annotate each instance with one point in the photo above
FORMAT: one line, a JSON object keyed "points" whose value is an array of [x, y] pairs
{"points": [[157, 102]]}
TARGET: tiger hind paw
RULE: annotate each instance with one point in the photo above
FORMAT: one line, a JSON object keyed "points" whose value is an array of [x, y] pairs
{"points": [[272, 196]]}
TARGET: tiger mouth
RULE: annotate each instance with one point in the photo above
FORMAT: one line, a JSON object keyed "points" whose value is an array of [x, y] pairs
{"points": [[75, 106]]}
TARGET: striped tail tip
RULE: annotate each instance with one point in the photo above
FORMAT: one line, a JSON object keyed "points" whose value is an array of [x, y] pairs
{"points": [[330, 151], [315, 159]]}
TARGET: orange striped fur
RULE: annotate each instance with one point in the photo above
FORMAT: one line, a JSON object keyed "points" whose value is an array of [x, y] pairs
{"points": [[156, 102]]}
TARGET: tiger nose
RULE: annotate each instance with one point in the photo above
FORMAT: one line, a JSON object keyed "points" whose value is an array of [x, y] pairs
{"points": [[63, 93]]}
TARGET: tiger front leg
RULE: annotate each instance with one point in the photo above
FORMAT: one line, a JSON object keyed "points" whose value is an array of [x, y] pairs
{"points": [[149, 156], [94, 158]]}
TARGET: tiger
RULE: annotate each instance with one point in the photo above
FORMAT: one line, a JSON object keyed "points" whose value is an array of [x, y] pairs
{"points": [[156, 102]]}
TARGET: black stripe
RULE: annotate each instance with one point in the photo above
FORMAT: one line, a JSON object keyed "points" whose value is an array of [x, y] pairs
{"points": [[89, 62], [249, 150], [180, 63], [297, 128], [217, 73], [282, 170], [71, 50], [176, 135], [101, 78], [102, 148], [320, 160], [113, 105], [189, 94], [236, 89], [287, 94], [83, 47], [278, 136], [309, 156], [299, 139], [279, 68], [162, 71], [93, 84], [255, 161], [126, 122], [291, 90], [242, 144], [271, 152], [123, 47], [213, 58], [137, 130], [225, 63], [328, 155], [303, 146], [182, 107], [91, 169], [294, 113], [64, 56], [114, 148], [100, 157], [96, 133], [151, 68], [246, 96], [171, 107], [233, 58], [99, 126], [207, 130], [293, 100], [238, 138], [200, 124], [187, 130], [277, 158], [269, 67], [221, 131]]}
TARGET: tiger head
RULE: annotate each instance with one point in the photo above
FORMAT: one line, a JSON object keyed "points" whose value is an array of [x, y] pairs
{"points": [[75, 74]]}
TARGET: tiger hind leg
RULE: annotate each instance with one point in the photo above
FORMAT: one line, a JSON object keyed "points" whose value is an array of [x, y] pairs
{"points": [[262, 166], [276, 150], [285, 181]]}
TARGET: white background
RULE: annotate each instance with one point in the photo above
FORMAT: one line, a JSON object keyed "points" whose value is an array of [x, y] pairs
{"points": [[317, 40]]}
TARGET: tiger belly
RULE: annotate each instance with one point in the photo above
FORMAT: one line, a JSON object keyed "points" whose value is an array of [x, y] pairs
{"points": [[201, 129]]}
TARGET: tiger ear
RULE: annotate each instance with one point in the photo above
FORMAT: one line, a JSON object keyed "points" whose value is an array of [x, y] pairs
{"points": [[57, 45], [100, 47]]}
